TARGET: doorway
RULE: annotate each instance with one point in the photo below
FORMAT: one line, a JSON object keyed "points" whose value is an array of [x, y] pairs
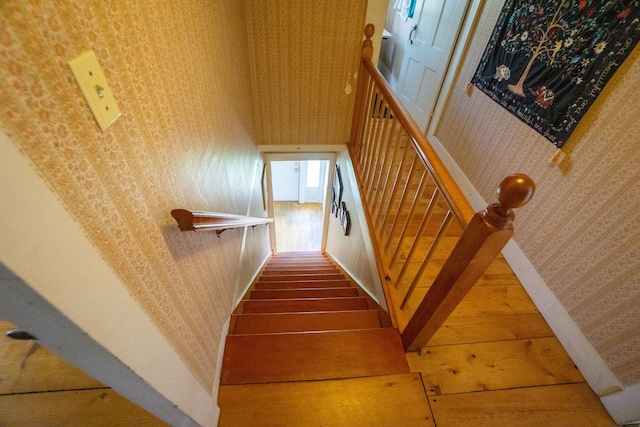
{"points": [[420, 51], [299, 192]]}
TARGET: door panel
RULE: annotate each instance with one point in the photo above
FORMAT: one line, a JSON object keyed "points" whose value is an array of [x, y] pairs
{"points": [[312, 181], [284, 178], [425, 60]]}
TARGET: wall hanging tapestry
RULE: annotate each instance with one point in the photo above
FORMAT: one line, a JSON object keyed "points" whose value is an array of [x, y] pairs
{"points": [[547, 61]]}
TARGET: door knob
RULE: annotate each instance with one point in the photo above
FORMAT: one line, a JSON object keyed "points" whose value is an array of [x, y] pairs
{"points": [[415, 27]]}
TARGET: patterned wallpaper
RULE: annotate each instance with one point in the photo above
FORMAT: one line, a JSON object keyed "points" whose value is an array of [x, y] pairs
{"points": [[290, 42], [186, 138], [582, 229]]}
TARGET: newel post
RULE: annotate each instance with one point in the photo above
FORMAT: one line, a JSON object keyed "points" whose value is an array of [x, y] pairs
{"points": [[482, 240], [358, 108]]}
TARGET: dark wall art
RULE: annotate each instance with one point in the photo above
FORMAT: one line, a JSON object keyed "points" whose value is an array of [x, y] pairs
{"points": [[338, 207], [336, 191], [547, 61]]}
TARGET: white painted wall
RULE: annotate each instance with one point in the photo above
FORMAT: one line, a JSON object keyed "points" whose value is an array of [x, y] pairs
{"points": [[354, 252]]}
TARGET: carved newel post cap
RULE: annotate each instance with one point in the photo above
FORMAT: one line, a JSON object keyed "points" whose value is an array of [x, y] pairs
{"points": [[369, 30], [516, 190]]}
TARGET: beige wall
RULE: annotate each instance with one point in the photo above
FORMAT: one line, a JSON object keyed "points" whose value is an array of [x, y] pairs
{"points": [[581, 230], [304, 61], [186, 138]]}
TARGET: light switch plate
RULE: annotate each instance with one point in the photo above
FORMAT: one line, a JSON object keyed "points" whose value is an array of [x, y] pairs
{"points": [[95, 88]]}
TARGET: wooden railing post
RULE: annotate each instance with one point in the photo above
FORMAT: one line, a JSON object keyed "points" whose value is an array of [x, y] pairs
{"points": [[482, 240], [359, 110]]}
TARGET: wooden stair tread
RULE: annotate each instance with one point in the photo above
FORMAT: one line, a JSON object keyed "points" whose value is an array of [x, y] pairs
{"points": [[300, 260], [307, 284], [274, 271], [301, 277], [299, 322], [312, 356], [304, 305], [299, 253], [303, 265], [377, 401], [303, 293]]}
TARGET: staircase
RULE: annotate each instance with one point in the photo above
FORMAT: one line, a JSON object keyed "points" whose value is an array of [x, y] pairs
{"points": [[307, 348]]}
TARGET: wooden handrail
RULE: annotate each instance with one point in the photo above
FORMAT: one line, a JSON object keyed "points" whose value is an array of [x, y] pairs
{"points": [[199, 220]]}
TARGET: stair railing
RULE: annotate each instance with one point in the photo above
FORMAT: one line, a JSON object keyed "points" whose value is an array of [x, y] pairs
{"points": [[431, 247], [199, 220]]}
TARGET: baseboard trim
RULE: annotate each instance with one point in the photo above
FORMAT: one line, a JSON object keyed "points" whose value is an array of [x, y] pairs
{"points": [[352, 277], [624, 406], [216, 380], [247, 285]]}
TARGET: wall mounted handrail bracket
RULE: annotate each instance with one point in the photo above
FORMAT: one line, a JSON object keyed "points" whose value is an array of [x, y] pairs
{"points": [[189, 220]]}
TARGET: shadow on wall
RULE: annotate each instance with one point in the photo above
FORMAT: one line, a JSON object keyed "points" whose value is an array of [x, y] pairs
{"points": [[185, 244]]}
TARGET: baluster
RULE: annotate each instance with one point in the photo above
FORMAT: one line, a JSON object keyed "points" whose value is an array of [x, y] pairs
{"points": [[397, 148], [483, 239], [415, 164], [368, 97], [433, 202], [381, 132], [375, 144], [380, 183], [366, 135], [397, 187], [442, 231], [418, 195]]}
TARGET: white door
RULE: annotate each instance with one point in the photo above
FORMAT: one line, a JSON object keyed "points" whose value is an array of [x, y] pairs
{"points": [[312, 181], [427, 54], [284, 180]]}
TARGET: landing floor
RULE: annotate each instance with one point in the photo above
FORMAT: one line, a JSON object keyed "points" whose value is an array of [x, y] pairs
{"points": [[298, 226], [496, 363]]}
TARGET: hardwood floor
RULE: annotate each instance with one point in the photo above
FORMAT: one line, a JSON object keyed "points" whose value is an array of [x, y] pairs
{"points": [[38, 388], [496, 362], [298, 226]]}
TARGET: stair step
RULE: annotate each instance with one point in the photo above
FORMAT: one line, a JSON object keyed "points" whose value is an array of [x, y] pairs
{"points": [[270, 271], [312, 356], [303, 293], [296, 255], [308, 284], [301, 322], [300, 277], [301, 261], [304, 305], [389, 400]]}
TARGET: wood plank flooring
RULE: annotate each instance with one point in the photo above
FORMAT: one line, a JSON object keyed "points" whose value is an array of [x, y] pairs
{"points": [[38, 388], [298, 226], [350, 402], [496, 362]]}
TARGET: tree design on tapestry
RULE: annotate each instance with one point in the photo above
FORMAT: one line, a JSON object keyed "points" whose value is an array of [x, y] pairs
{"points": [[548, 60]]}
